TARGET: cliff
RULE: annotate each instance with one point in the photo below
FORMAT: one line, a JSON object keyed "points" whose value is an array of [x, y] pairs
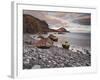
{"points": [[34, 25]]}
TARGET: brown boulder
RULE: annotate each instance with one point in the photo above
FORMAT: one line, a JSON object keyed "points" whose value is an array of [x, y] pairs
{"points": [[66, 45], [52, 37], [44, 43]]}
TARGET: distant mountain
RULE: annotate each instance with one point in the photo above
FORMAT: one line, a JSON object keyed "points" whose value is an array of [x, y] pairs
{"points": [[62, 30]]}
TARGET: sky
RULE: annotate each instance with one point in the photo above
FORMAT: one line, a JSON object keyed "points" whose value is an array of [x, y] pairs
{"points": [[72, 21]]}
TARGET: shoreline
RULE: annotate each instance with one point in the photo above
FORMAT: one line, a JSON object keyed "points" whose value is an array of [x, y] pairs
{"points": [[53, 57]]}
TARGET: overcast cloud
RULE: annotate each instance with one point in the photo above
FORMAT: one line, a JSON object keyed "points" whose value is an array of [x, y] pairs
{"points": [[75, 22]]}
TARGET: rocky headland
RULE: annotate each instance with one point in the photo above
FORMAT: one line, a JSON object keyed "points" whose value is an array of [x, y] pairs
{"points": [[34, 25]]}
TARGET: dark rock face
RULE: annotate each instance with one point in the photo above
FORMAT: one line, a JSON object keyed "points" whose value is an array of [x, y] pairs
{"points": [[34, 25]]}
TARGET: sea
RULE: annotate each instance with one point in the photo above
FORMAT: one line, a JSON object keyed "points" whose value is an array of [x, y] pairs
{"points": [[76, 40]]}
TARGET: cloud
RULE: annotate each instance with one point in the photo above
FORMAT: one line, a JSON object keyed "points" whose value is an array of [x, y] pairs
{"points": [[70, 20], [85, 20], [49, 17], [55, 19]]}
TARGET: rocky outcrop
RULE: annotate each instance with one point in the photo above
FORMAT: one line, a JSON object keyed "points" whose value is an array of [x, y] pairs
{"points": [[34, 25], [62, 30]]}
